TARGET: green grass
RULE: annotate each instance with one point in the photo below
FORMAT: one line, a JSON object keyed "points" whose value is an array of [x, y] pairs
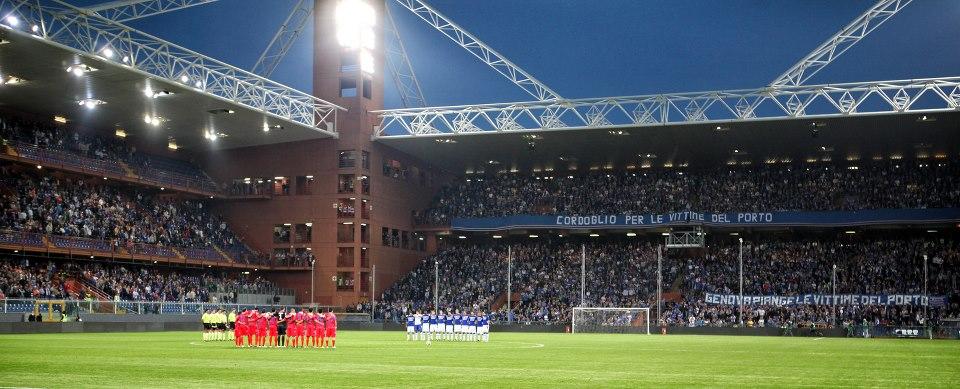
{"points": [[384, 359]]}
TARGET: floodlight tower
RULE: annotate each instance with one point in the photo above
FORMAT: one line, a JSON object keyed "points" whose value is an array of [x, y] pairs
{"points": [[381, 185]]}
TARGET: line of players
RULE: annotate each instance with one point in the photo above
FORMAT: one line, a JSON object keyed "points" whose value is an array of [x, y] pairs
{"points": [[456, 326], [294, 329]]}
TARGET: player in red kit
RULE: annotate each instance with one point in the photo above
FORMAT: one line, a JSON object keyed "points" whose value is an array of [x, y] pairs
{"points": [[319, 330], [291, 328], [272, 329], [330, 322], [301, 318], [309, 325], [240, 329], [262, 329], [251, 330]]}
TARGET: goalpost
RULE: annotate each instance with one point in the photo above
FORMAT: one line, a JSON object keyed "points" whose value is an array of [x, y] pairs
{"points": [[611, 320]]}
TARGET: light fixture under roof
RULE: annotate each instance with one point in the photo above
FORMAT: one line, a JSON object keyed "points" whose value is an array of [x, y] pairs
{"points": [[151, 93], [220, 111], [619, 132], [532, 136], [80, 69], [153, 120], [926, 118], [446, 140], [121, 133], [493, 162], [59, 119], [12, 21], [91, 103], [648, 155], [11, 80], [172, 145]]}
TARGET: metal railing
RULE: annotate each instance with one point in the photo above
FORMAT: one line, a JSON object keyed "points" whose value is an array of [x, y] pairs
{"points": [[74, 307]]}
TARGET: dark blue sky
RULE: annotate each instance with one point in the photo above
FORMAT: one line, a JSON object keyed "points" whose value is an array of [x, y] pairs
{"points": [[594, 48]]}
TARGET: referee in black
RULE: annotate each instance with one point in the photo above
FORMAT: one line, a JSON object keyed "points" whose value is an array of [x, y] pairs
{"points": [[281, 327]]}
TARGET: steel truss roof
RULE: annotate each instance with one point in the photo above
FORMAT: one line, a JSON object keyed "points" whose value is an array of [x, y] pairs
{"points": [[776, 102], [127, 10], [76, 29]]}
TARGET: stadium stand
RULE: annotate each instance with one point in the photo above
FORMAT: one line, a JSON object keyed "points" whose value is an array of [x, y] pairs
{"points": [[765, 188], [546, 279], [42, 279], [87, 214]]}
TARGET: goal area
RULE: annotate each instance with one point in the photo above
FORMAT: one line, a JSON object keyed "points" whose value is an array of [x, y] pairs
{"points": [[611, 320]]}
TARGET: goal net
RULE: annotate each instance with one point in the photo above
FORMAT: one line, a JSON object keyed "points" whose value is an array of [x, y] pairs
{"points": [[611, 320]]}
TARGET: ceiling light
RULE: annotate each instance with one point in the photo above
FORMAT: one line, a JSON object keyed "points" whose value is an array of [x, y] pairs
{"points": [[734, 234], [619, 132], [12, 21], [594, 235], [35, 28], [59, 119], [120, 133], [12, 80], [198, 84], [184, 78], [172, 144], [534, 236], [91, 103], [631, 234], [850, 232], [461, 237], [447, 140], [80, 69], [126, 59], [497, 236], [108, 52]]}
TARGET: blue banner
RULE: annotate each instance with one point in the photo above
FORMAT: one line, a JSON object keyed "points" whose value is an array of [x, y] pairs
{"points": [[827, 299], [732, 219]]}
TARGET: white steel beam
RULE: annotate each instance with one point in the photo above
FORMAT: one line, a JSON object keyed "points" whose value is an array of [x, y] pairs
{"points": [[288, 33], [716, 107], [89, 35], [839, 43], [400, 68], [127, 10], [480, 50]]}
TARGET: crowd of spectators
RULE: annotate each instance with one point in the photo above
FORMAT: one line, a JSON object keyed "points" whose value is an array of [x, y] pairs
{"points": [[39, 279], [765, 188], [546, 279], [87, 208], [17, 131]]}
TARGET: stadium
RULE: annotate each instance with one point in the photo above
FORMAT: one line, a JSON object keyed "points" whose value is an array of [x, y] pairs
{"points": [[204, 193]]}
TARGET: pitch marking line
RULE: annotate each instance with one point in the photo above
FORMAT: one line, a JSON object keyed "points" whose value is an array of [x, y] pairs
{"points": [[818, 338]]}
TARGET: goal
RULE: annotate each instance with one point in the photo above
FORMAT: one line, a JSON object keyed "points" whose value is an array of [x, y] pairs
{"points": [[611, 320]]}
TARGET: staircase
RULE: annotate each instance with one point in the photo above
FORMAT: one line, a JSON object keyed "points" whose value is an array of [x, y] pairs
{"points": [[98, 294]]}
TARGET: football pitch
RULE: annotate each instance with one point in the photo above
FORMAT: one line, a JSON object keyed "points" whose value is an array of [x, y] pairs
{"points": [[385, 359]]}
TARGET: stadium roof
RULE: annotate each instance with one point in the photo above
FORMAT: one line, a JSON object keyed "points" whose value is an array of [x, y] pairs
{"points": [[45, 84], [888, 136]]}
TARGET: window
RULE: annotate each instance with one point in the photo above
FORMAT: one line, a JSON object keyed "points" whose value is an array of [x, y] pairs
{"points": [[404, 239], [347, 158], [281, 233], [281, 186], [364, 257], [395, 237], [394, 169], [344, 281], [345, 232], [345, 257], [304, 185], [303, 233], [385, 236], [364, 209], [349, 62], [345, 208], [364, 233], [367, 87], [365, 185], [348, 87], [345, 183], [365, 159]]}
